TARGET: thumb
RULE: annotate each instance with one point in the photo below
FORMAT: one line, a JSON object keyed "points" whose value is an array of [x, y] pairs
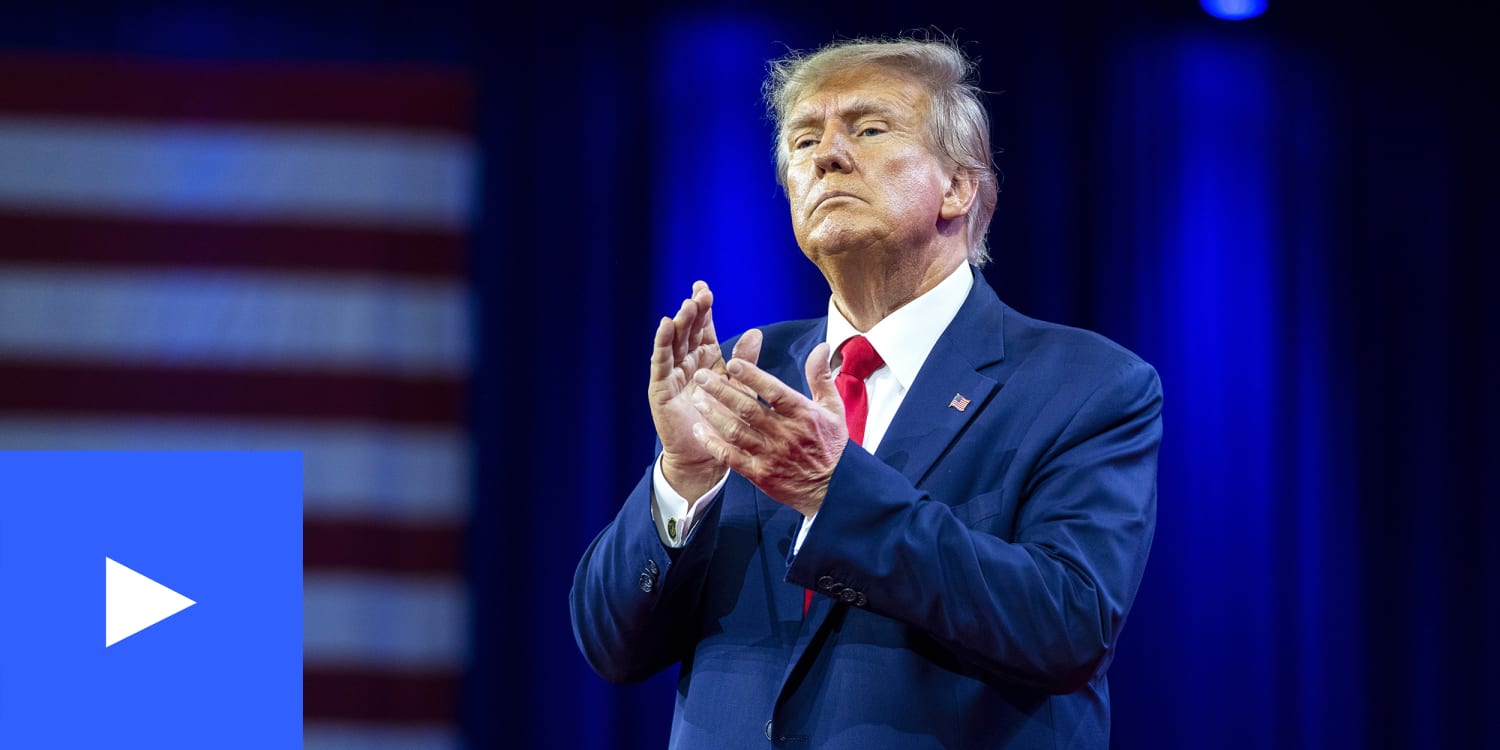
{"points": [[748, 347], [820, 379]]}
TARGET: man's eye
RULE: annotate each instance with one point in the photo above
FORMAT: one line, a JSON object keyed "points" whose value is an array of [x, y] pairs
{"points": [[871, 131], [805, 143]]}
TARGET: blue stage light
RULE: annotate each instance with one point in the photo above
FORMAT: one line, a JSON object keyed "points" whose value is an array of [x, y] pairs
{"points": [[1234, 10]]}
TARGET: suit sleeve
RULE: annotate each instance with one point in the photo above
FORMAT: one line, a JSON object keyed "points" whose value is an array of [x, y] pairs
{"points": [[1043, 606], [633, 598]]}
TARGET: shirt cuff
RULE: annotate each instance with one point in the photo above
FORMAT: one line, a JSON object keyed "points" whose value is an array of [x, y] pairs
{"points": [[673, 516], [807, 522]]}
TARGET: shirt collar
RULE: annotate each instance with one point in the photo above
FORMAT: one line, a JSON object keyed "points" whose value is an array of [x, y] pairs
{"points": [[905, 337]]}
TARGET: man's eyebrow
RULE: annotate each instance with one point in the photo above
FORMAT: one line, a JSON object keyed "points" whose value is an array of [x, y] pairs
{"points": [[858, 108], [851, 110]]}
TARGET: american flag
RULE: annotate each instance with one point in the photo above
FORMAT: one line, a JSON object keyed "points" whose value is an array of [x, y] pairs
{"points": [[264, 256], [959, 402]]}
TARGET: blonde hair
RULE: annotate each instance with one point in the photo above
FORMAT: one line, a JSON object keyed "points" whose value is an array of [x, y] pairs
{"points": [[958, 127]]}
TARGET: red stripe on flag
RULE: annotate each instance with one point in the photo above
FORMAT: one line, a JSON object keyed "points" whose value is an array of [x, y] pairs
{"points": [[376, 695], [116, 388], [97, 241], [401, 96], [369, 545]]}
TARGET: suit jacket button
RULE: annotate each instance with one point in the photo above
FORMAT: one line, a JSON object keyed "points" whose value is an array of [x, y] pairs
{"points": [[647, 582], [848, 595], [768, 730], [651, 567], [859, 601], [825, 583]]}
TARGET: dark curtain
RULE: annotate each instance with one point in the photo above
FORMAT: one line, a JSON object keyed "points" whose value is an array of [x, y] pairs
{"points": [[1291, 217]]}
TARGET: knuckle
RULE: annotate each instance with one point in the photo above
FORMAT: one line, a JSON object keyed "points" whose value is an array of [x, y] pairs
{"points": [[748, 410]]}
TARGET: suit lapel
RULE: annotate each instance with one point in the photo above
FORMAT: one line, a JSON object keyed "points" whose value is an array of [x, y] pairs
{"points": [[929, 420], [925, 425], [950, 389], [780, 523]]}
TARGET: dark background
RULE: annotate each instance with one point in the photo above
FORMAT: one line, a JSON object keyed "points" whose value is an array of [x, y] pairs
{"points": [[1293, 217]]}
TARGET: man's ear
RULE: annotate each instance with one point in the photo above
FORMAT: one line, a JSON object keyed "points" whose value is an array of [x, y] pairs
{"points": [[963, 190]]}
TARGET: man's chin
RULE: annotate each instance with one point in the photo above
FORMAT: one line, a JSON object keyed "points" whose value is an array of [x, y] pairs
{"points": [[837, 241]]}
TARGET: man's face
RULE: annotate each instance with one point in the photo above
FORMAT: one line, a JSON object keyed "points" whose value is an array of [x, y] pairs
{"points": [[860, 175]]}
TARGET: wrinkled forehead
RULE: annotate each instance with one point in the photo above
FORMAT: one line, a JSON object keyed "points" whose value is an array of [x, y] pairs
{"points": [[865, 90]]}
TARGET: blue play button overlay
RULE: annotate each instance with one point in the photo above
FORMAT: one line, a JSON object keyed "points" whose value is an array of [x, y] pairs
{"points": [[133, 602], [199, 599]]}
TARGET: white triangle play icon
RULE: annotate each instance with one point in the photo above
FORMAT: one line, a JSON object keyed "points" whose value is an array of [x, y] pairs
{"points": [[133, 602]]}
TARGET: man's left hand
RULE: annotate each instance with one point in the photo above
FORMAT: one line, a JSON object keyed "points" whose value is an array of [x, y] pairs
{"points": [[787, 446]]}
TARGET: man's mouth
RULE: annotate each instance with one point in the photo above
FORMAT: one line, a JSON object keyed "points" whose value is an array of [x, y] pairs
{"points": [[830, 195]]}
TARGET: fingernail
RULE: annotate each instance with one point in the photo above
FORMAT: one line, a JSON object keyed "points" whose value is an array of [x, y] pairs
{"points": [[734, 367], [700, 377], [698, 431]]}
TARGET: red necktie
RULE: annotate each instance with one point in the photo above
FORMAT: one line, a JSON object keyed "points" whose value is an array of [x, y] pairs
{"points": [[860, 360]]}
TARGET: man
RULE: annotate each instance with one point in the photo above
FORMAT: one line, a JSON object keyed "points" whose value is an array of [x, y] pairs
{"points": [[917, 523]]}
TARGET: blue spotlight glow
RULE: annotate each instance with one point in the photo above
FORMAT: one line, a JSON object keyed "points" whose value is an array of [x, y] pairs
{"points": [[1234, 10]]}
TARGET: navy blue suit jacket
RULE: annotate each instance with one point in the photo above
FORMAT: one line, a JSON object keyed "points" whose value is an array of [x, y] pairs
{"points": [[975, 573]]}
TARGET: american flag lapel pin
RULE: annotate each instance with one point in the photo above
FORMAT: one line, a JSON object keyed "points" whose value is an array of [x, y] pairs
{"points": [[959, 402]]}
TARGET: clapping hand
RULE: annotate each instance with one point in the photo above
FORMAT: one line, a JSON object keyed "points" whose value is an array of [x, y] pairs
{"points": [[686, 345]]}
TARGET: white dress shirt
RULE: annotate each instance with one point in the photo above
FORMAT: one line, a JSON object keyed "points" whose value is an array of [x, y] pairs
{"points": [[903, 340]]}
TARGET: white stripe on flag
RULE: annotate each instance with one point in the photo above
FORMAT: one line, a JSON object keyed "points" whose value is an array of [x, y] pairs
{"points": [[350, 470], [324, 174], [386, 621], [324, 735], [236, 318]]}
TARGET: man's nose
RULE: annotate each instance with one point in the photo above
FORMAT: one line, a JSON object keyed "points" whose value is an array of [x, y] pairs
{"points": [[832, 154]]}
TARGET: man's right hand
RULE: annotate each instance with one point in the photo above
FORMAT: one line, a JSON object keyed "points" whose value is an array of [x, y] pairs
{"points": [[685, 344]]}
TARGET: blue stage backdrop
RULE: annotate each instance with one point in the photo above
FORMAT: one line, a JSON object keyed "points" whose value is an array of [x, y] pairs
{"points": [[1292, 216]]}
